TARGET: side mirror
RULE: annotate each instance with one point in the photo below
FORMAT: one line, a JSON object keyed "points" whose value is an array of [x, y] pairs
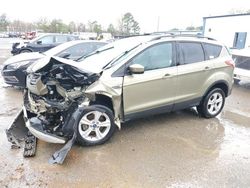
{"points": [[136, 69], [39, 42]]}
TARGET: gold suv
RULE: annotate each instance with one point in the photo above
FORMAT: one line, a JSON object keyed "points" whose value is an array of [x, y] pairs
{"points": [[127, 79]]}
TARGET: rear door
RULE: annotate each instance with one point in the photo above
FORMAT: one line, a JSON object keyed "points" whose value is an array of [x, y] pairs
{"points": [[193, 71], [155, 89]]}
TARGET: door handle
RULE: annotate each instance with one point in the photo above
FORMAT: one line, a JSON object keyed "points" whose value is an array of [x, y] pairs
{"points": [[206, 68], [167, 75]]}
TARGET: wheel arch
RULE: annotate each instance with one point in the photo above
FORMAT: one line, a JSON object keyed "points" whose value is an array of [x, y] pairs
{"points": [[103, 100], [27, 49], [219, 84]]}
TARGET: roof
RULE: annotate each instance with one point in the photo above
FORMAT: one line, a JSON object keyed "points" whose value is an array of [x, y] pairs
{"points": [[228, 15]]}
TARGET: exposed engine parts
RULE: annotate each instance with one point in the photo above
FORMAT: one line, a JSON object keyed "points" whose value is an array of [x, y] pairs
{"points": [[51, 106]]}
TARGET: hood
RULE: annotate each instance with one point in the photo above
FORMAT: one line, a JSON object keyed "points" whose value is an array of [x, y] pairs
{"points": [[46, 63], [23, 57]]}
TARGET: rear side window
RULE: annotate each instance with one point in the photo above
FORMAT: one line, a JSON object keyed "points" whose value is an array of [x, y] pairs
{"points": [[61, 39], [212, 51], [191, 52]]}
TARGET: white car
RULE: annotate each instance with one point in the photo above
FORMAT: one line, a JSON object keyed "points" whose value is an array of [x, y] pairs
{"points": [[242, 65], [14, 68]]}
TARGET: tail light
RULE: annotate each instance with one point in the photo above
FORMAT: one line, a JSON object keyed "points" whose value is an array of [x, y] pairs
{"points": [[230, 63]]}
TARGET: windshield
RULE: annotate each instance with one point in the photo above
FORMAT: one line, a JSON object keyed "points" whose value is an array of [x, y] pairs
{"points": [[59, 48], [96, 62]]}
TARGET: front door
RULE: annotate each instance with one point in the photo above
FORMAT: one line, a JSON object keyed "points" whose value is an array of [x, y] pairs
{"points": [[154, 89], [43, 44]]}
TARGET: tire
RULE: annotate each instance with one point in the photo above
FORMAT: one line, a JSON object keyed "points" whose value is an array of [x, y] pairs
{"points": [[91, 131], [25, 51], [212, 104]]}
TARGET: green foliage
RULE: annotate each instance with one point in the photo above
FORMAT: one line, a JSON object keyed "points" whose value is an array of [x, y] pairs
{"points": [[94, 27], [190, 28], [174, 29], [3, 22], [128, 25], [111, 29]]}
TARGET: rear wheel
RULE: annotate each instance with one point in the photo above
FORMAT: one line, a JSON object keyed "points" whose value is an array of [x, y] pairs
{"points": [[25, 51], [212, 103], [96, 125]]}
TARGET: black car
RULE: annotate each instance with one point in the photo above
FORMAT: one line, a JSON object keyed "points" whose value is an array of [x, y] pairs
{"points": [[14, 69], [42, 43]]}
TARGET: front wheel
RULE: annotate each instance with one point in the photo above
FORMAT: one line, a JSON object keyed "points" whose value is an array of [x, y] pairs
{"points": [[212, 103], [25, 51], [96, 125]]}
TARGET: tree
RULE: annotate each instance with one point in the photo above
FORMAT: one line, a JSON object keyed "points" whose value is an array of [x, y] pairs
{"points": [[190, 28], [81, 27], [136, 27], [174, 29], [3, 22], [94, 27], [72, 27], [57, 26], [111, 29], [43, 24], [127, 25], [97, 28], [239, 11]]}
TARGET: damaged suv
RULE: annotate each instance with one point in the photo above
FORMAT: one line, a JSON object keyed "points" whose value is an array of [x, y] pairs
{"points": [[127, 79]]}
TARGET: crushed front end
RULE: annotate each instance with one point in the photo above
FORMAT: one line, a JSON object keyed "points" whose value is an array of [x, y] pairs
{"points": [[53, 99]]}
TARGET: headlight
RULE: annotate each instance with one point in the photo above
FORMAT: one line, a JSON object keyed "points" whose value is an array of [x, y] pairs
{"points": [[19, 64]]}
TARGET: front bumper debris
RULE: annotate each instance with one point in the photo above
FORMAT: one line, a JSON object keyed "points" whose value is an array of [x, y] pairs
{"points": [[24, 133], [19, 136], [35, 127]]}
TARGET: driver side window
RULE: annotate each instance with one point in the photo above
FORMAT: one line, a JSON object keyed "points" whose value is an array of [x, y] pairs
{"points": [[47, 40], [156, 57]]}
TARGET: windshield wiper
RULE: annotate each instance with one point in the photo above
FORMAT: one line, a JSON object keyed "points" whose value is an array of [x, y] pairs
{"points": [[93, 53], [111, 63]]}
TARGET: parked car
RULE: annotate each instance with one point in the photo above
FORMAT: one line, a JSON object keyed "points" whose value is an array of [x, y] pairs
{"points": [[42, 43], [242, 65], [88, 100], [4, 35], [14, 69]]}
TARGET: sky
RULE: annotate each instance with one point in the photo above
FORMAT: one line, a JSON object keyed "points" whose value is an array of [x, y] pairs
{"points": [[170, 14]]}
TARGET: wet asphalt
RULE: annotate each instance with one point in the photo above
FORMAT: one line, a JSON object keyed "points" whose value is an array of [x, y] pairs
{"points": [[177, 149]]}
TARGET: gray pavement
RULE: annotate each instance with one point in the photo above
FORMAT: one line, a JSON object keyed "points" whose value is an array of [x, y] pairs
{"points": [[169, 150]]}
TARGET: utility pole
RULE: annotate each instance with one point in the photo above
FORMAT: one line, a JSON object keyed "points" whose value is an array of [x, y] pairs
{"points": [[158, 23]]}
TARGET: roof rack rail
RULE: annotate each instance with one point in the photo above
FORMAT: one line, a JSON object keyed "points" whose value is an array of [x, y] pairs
{"points": [[173, 35]]}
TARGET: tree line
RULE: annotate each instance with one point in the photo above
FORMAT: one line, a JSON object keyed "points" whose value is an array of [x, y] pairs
{"points": [[126, 25]]}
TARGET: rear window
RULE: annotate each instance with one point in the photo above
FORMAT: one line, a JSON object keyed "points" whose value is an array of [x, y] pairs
{"points": [[191, 52], [212, 50]]}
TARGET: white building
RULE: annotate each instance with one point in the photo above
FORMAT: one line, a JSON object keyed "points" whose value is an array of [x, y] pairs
{"points": [[233, 30]]}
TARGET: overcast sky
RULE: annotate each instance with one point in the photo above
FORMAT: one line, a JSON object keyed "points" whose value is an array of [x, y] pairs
{"points": [[171, 14]]}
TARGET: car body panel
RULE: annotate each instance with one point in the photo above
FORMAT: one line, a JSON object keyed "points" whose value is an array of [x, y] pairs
{"points": [[242, 64], [158, 88]]}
